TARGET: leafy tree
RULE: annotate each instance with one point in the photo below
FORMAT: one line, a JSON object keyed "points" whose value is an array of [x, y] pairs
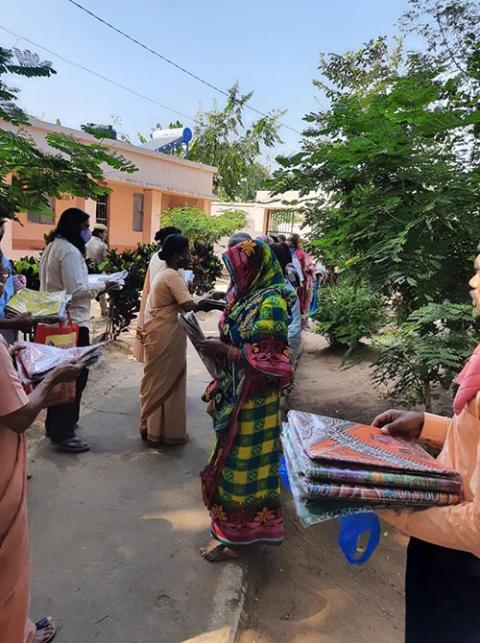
{"points": [[204, 230], [348, 313], [220, 138], [402, 207], [426, 351], [28, 175], [99, 131], [125, 303], [450, 30], [198, 225]]}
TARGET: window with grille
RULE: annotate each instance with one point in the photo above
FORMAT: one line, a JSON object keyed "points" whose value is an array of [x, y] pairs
{"points": [[137, 221], [38, 217], [281, 222], [101, 215]]}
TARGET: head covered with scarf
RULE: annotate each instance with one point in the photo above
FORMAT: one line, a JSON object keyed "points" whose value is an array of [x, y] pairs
{"points": [[253, 268]]}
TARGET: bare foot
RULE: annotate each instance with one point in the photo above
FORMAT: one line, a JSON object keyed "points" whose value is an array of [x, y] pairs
{"points": [[217, 553]]}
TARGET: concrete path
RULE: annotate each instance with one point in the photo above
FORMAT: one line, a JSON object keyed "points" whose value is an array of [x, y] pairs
{"points": [[116, 532]]}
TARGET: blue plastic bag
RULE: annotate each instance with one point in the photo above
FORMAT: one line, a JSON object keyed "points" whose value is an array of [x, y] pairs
{"points": [[351, 530], [283, 473]]}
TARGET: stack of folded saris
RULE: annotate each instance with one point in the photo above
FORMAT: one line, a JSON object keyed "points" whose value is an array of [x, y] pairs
{"points": [[338, 468]]}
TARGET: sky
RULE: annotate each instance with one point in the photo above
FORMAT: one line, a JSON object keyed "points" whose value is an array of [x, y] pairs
{"points": [[270, 46]]}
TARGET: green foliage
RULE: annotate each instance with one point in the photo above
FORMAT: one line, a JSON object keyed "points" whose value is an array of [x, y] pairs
{"points": [[393, 152], [125, 303], [70, 168], [348, 313], [30, 268], [204, 230], [99, 131], [206, 266], [428, 349], [221, 139], [198, 225], [394, 160]]}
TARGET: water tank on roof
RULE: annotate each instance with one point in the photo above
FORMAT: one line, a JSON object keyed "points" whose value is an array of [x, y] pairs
{"points": [[165, 140]]}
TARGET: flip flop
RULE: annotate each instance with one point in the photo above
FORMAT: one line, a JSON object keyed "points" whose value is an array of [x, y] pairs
{"points": [[46, 630], [73, 445]]}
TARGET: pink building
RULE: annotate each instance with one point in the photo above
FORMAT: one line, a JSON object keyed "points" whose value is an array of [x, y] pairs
{"points": [[132, 211]]}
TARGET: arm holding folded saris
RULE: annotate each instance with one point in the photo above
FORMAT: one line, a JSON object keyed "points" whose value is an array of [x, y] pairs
{"points": [[455, 526]]}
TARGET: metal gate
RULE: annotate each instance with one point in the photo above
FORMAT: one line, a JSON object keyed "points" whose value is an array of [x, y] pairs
{"points": [[281, 222]]}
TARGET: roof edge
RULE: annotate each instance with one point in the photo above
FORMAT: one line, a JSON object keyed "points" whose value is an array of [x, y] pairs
{"points": [[118, 145]]}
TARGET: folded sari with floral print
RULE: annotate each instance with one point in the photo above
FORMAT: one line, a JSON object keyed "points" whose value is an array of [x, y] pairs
{"points": [[335, 441], [335, 461], [357, 474]]}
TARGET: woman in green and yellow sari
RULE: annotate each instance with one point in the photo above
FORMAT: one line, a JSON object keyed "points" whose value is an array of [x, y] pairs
{"points": [[241, 484]]}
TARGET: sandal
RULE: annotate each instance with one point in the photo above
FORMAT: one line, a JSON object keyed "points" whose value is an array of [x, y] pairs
{"points": [[73, 445], [46, 630]]}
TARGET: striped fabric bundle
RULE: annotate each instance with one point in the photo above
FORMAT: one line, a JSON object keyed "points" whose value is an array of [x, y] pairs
{"points": [[338, 468]]}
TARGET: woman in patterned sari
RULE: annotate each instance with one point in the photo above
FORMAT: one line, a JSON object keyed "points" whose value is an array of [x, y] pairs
{"points": [[241, 484]]}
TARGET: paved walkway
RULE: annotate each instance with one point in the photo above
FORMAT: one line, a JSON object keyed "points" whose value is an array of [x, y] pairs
{"points": [[116, 532]]}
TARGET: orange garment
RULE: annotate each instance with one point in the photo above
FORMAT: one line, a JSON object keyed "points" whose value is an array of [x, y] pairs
{"points": [[469, 380], [163, 392], [14, 540], [456, 526]]}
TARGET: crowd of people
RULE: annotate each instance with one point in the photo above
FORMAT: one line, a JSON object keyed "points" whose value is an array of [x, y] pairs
{"points": [[273, 285]]}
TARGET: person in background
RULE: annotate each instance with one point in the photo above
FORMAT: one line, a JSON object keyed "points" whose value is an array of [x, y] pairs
{"points": [[442, 584], [97, 250], [97, 247], [238, 237], [155, 267], [331, 276], [157, 264], [17, 412], [320, 273], [281, 252], [245, 404], [163, 389], [63, 267], [9, 327], [296, 254], [306, 270], [265, 238]]}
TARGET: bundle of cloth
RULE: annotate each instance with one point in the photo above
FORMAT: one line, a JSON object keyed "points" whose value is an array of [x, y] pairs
{"points": [[45, 307], [34, 361], [337, 468], [195, 334]]}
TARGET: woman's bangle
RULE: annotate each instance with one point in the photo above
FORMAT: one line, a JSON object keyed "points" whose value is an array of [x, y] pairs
{"points": [[234, 354]]}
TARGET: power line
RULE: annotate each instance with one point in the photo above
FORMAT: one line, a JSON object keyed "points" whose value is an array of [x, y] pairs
{"points": [[99, 75], [171, 62]]}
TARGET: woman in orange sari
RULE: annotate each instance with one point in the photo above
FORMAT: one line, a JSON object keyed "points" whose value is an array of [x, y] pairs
{"points": [[155, 267], [163, 388], [17, 412]]}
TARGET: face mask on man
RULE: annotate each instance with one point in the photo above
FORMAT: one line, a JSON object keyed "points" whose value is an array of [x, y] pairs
{"points": [[86, 235]]}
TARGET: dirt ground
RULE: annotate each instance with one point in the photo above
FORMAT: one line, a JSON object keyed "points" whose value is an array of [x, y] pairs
{"points": [[305, 590]]}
